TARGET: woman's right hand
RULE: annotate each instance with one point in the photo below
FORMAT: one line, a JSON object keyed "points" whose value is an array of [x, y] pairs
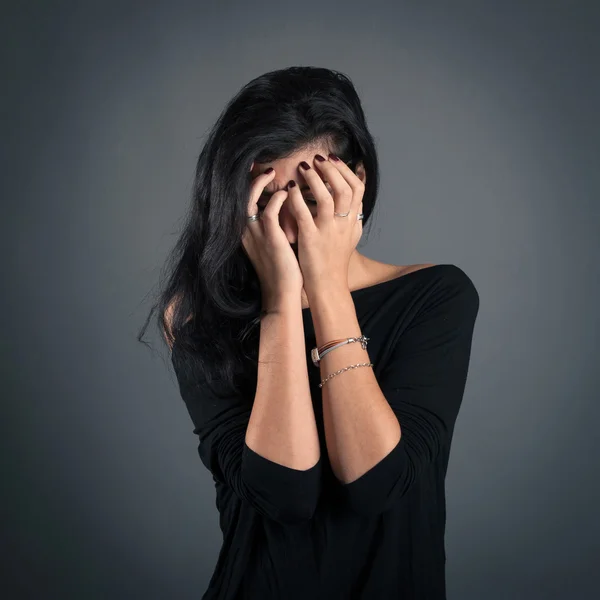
{"points": [[268, 248]]}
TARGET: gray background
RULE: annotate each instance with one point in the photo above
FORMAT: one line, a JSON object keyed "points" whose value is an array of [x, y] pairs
{"points": [[486, 118]]}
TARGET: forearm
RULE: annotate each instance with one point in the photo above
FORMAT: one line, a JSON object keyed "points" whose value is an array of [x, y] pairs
{"points": [[360, 426], [282, 425]]}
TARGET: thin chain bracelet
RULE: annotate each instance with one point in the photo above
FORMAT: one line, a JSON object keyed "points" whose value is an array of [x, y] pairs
{"points": [[369, 364]]}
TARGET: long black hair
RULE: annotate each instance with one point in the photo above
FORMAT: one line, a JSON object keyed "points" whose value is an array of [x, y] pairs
{"points": [[209, 302]]}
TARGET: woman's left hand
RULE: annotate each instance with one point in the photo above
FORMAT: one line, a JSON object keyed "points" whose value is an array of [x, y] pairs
{"points": [[326, 241]]}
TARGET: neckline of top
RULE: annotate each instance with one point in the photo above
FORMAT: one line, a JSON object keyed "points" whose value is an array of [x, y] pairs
{"points": [[359, 291]]}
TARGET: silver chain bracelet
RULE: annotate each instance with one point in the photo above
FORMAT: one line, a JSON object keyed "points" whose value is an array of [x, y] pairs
{"points": [[369, 364]]}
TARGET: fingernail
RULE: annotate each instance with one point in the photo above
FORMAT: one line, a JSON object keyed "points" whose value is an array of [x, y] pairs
{"points": [[269, 170], [305, 165], [319, 157], [332, 156]]}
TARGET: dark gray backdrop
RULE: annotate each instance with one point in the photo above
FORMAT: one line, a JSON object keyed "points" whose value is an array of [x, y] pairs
{"points": [[486, 116]]}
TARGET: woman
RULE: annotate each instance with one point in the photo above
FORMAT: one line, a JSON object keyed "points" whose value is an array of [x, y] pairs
{"points": [[323, 385]]}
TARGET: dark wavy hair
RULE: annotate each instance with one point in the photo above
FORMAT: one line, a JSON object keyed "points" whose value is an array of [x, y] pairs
{"points": [[209, 302]]}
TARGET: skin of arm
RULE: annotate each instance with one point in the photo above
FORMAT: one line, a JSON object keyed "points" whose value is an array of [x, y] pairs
{"points": [[282, 426], [360, 426]]}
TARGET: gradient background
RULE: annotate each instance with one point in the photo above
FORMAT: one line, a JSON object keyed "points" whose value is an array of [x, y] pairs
{"points": [[486, 119]]}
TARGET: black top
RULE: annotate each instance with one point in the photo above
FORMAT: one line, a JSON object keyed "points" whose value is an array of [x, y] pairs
{"points": [[291, 534]]}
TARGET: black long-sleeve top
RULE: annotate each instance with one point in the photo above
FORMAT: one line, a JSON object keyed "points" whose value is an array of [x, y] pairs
{"points": [[291, 534]]}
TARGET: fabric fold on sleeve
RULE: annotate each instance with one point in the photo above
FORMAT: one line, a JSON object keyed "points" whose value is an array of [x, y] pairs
{"points": [[424, 382], [274, 490]]}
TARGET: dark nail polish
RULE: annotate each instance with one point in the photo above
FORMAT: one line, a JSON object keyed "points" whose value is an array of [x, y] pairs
{"points": [[332, 156], [305, 165], [269, 170], [319, 157], [291, 183]]}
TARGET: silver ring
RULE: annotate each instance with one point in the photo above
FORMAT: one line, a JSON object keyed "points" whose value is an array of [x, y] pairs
{"points": [[254, 217], [359, 216]]}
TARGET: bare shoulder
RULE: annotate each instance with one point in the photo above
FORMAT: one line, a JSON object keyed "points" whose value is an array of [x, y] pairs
{"points": [[384, 272], [455, 279], [405, 269]]}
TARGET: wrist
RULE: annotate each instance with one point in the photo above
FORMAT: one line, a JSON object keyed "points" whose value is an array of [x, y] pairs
{"points": [[328, 290], [282, 303]]}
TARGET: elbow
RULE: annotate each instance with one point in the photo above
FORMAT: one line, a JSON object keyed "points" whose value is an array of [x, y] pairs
{"points": [[387, 482], [282, 494], [377, 501], [286, 507], [294, 512], [393, 478]]}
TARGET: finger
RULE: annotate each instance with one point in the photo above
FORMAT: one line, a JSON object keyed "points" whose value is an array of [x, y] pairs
{"points": [[325, 202], [342, 192], [301, 212], [359, 225], [259, 183], [351, 178], [347, 173], [270, 215]]}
